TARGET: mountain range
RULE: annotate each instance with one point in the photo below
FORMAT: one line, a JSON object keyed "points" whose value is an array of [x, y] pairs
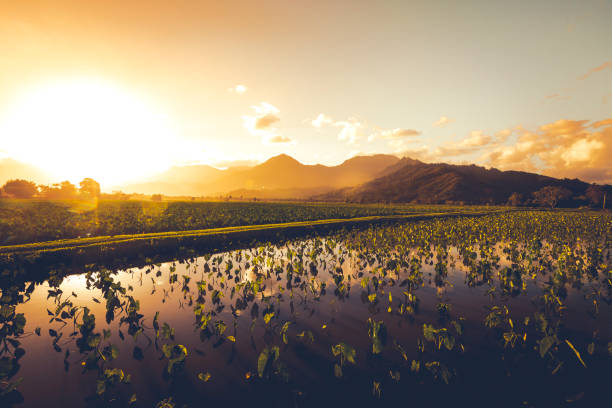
{"points": [[279, 177], [376, 178], [413, 181]]}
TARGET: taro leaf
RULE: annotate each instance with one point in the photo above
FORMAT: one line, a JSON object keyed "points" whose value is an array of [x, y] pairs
{"points": [[378, 333], [262, 362], [265, 360], [337, 371], [349, 353], [114, 352], [101, 387], [6, 366], [591, 348], [19, 352], [93, 340], [449, 342], [268, 317], [220, 327], [576, 352], [545, 344], [429, 332], [457, 327], [284, 332], [204, 377], [307, 335], [138, 354]]}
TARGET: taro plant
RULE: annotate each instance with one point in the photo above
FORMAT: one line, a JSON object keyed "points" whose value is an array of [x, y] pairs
{"points": [[345, 353]]}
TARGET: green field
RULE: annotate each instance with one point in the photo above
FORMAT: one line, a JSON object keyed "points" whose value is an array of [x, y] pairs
{"points": [[27, 221]]}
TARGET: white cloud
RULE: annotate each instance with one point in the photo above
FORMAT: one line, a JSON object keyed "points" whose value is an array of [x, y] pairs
{"points": [[393, 134], [261, 123], [321, 120], [239, 89], [350, 130], [443, 121]]}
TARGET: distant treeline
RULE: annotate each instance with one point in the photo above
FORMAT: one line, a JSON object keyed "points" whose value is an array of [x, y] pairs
{"points": [[18, 188]]}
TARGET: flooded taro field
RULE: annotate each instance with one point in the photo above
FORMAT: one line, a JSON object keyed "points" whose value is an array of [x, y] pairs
{"points": [[512, 309]]}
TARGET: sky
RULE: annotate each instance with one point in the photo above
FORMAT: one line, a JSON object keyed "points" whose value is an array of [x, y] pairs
{"points": [[120, 90]]}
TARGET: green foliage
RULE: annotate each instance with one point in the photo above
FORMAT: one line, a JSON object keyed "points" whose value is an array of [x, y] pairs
{"points": [[378, 334]]}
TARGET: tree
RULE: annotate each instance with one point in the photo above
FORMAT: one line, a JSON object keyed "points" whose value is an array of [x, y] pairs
{"points": [[62, 191], [551, 195], [516, 199], [156, 197], [20, 188], [89, 188]]}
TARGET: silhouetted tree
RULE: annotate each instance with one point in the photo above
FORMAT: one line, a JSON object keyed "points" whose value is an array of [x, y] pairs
{"points": [[62, 191], [551, 195], [516, 199], [20, 188], [89, 188]]}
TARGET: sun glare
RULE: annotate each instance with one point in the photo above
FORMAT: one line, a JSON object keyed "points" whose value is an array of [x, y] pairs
{"points": [[87, 128]]}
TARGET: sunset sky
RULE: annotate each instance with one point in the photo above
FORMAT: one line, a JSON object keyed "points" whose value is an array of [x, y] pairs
{"points": [[118, 90]]}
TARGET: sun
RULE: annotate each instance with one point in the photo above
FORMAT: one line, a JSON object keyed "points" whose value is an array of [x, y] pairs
{"points": [[87, 128]]}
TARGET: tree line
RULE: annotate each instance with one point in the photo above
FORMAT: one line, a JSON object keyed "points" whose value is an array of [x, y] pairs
{"points": [[553, 196], [88, 189]]}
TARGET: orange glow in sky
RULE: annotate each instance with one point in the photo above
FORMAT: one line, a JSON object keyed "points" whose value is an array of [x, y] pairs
{"points": [[77, 127]]}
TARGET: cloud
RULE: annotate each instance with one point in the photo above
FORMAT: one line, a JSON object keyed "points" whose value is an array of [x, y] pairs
{"points": [[565, 148], [474, 142], [443, 121], [266, 121], [601, 123], [239, 89], [605, 65], [422, 153], [321, 121], [261, 123], [503, 135], [349, 130], [393, 134], [477, 138], [278, 139]]}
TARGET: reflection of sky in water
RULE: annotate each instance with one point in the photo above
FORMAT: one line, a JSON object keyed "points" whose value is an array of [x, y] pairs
{"points": [[46, 381]]}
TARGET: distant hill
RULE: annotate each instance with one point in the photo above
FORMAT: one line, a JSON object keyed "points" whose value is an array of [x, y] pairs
{"points": [[279, 177], [177, 181], [413, 181]]}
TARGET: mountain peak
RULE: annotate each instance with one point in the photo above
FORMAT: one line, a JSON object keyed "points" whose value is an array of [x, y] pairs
{"points": [[282, 159]]}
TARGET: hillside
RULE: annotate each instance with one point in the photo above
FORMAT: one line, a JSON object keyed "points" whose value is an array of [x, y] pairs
{"points": [[279, 177], [414, 181]]}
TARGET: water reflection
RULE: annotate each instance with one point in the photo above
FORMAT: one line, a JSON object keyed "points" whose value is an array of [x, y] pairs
{"points": [[313, 322]]}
